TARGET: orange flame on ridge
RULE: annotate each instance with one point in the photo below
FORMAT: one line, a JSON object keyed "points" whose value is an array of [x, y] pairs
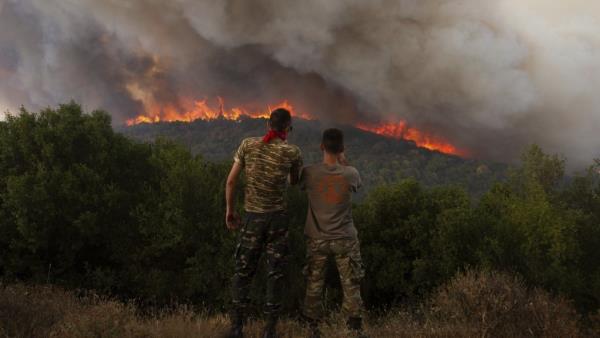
{"points": [[191, 110], [203, 110], [401, 130]]}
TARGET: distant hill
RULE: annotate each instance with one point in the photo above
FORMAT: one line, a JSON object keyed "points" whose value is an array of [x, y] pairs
{"points": [[380, 159]]}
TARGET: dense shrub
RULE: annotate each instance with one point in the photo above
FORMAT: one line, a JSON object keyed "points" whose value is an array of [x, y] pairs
{"points": [[412, 239], [83, 206], [536, 224]]}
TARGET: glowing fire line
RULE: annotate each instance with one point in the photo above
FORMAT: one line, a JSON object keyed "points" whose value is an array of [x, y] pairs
{"points": [[202, 110], [400, 130]]}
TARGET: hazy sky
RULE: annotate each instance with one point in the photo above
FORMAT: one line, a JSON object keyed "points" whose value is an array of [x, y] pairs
{"points": [[491, 76]]}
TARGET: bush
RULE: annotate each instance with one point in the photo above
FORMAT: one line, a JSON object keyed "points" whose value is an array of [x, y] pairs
{"points": [[83, 206], [493, 304], [412, 239], [32, 312]]}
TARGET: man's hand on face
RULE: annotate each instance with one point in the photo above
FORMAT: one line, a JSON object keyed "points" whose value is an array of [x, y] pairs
{"points": [[232, 220]]}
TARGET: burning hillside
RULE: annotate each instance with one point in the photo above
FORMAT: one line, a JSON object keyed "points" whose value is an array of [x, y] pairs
{"points": [[489, 77], [217, 109]]}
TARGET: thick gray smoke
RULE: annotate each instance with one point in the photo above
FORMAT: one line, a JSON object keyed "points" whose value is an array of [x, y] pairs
{"points": [[489, 76]]}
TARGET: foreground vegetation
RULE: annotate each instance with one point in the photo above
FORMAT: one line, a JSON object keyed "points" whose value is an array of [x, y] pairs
{"points": [[84, 207], [473, 304]]}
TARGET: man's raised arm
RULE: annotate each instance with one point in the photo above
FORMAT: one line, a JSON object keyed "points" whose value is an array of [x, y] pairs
{"points": [[342, 159], [232, 219]]}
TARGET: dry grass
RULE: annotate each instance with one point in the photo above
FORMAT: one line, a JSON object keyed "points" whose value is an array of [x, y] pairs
{"points": [[474, 304], [490, 304]]}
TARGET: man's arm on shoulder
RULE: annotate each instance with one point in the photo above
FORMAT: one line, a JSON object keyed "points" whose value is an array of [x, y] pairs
{"points": [[294, 175], [295, 169], [304, 172]]}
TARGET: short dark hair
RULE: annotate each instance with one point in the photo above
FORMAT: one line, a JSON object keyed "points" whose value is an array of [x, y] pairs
{"points": [[280, 119], [333, 140]]}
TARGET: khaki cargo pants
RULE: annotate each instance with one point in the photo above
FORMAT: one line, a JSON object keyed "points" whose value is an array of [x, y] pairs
{"points": [[346, 253]]}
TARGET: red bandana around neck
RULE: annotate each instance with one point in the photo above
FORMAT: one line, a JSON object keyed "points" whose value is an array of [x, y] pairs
{"points": [[273, 134]]}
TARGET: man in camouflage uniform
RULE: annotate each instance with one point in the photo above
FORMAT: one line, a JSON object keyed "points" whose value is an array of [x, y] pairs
{"points": [[267, 163], [330, 231]]}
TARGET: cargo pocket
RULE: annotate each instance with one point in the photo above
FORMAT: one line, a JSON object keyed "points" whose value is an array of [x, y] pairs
{"points": [[315, 258], [241, 235], [251, 235], [358, 270], [310, 251], [356, 263]]}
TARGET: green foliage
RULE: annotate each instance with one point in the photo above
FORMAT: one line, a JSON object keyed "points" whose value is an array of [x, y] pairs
{"points": [[529, 227], [411, 238], [416, 238], [83, 206], [68, 183]]}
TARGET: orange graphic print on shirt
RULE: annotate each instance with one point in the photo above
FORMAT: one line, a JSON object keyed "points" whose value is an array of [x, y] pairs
{"points": [[333, 189]]}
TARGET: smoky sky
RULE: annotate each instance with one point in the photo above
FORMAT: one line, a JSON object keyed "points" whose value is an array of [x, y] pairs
{"points": [[489, 76]]}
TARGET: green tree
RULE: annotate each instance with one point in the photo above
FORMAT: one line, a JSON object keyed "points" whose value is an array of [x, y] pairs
{"points": [[68, 183], [408, 239], [528, 229], [583, 196]]}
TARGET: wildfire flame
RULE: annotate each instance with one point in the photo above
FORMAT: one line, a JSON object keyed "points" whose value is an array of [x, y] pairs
{"points": [[205, 110], [401, 130]]}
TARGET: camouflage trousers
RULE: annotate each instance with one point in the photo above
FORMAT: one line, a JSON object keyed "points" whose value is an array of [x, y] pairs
{"points": [[262, 233], [349, 264]]}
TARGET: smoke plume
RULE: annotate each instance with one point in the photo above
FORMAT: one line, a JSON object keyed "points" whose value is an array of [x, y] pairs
{"points": [[489, 76]]}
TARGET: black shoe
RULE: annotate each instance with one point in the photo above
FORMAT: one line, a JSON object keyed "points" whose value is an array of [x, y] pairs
{"points": [[314, 330], [312, 324], [355, 324], [236, 330], [270, 329]]}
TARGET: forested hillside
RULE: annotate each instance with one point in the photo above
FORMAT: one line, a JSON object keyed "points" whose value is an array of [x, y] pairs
{"points": [[82, 206], [380, 159]]}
